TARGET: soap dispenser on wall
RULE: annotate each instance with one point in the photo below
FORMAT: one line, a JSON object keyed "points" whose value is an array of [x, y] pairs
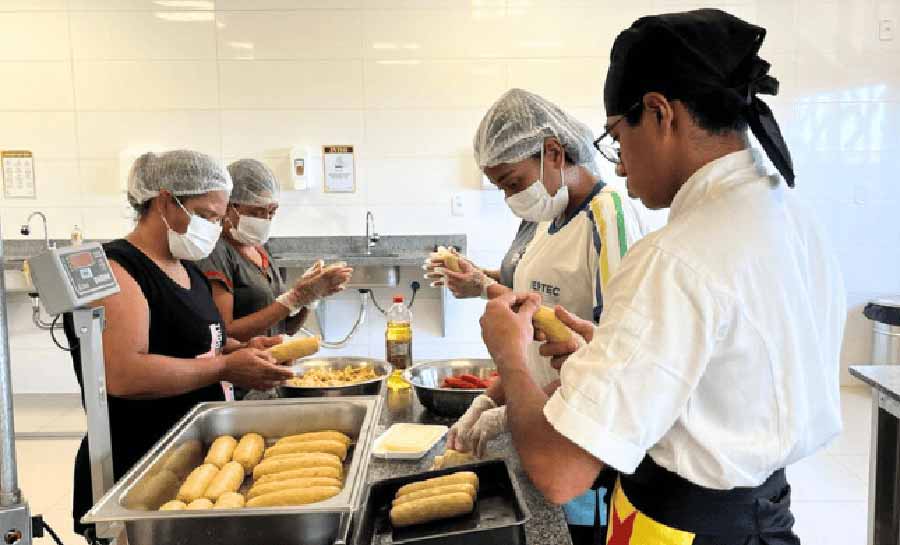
{"points": [[306, 167]]}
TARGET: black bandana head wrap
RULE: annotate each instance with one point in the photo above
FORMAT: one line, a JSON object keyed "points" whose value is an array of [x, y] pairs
{"points": [[683, 55]]}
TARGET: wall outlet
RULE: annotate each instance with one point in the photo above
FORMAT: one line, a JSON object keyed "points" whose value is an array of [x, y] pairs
{"points": [[457, 205], [886, 30]]}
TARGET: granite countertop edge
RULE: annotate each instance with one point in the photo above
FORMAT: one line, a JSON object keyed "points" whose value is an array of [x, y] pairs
{"points": [[883, 378]]}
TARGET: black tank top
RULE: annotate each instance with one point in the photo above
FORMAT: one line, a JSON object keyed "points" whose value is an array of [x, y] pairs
{"points": [[184, 323]]}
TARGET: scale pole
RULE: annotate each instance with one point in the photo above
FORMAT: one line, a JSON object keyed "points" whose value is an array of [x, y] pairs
{"points": [[9, 481]]}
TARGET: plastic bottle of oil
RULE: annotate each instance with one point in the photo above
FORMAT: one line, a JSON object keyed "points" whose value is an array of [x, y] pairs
{"points": [[398, 342]]}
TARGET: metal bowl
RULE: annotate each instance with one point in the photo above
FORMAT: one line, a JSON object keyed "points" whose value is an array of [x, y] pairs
{"points": [[426, 379], [367, 387]]}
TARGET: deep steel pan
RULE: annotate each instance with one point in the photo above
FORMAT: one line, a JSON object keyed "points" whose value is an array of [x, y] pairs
{"points": [[367, 387]]}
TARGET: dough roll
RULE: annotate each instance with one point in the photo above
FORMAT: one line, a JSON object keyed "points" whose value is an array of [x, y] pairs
{"points": [[196, 483], [221, 450], [461, 477], [433, 508], [294, 496], [329, 446]]}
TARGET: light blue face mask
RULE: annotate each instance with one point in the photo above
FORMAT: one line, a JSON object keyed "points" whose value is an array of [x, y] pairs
{"points": [[534, 203]]}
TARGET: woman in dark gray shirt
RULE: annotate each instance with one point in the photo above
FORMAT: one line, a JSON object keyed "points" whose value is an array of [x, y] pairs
{"points": [[247, 288]]}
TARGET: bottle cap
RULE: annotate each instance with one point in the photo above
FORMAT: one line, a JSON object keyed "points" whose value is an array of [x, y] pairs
{"points": [[398, 298]]}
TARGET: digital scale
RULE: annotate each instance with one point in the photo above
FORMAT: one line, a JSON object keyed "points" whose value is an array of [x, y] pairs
{"points": [[72, 277], [67, 279]]}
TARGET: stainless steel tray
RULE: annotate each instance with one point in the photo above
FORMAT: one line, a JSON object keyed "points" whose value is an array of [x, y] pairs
{"points": [[135, 498], [367, 387]]}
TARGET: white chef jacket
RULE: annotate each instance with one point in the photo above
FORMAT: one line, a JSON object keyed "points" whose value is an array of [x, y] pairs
{"points": [[718, 351]]}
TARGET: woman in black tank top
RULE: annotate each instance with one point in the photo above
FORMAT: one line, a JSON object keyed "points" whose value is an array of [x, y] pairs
{"points": [[165, 344]]}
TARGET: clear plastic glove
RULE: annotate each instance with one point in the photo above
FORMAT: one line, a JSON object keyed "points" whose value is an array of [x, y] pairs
{"points": [[316, 283], [460, 429], [434, 265], [490, 424], [470, 282]]}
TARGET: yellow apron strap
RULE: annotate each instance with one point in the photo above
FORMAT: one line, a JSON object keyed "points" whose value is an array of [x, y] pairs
{"points": [[609, 220], [628, 526]]}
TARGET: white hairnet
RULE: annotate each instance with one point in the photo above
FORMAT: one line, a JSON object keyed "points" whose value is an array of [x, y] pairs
{"points": [[515, 127], [254, 183], [182, 172]]}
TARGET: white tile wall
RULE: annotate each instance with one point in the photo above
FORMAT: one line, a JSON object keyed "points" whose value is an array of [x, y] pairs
{"points": [[83, 82], [146, 85], [272, 133], [318, 84], [143, 35], [309, 34], [425, 83], [46, 134], [28, 36], [440, 33], [39, 86], [142, 5], [106, 134]]}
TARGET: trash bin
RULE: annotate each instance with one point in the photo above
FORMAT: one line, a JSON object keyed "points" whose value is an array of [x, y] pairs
{"points": [[885, 316]]}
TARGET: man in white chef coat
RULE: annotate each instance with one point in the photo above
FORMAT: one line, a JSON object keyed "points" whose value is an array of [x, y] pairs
{"points": [[715, 362]]}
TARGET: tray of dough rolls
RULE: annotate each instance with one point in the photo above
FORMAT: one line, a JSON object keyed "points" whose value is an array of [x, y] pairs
{"points": [[478, 503], [287, 471]]}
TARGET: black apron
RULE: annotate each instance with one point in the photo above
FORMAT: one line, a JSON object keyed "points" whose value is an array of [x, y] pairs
{"points": [[742, 516], [183, 324]]}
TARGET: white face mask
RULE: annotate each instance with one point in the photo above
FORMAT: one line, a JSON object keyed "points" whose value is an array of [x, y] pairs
{"points": [[197, 242], [250, 230], [534, 203]]}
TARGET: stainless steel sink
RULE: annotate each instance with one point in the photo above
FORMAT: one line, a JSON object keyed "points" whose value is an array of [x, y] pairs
{"points": [[373, 254], [329, 258], [364, 276], [15, 277]]}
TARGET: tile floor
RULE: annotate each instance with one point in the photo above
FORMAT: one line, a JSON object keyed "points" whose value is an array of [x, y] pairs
{"points": [[829, 489]]}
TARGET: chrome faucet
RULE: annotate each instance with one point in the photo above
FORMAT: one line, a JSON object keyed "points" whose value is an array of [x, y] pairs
{"points": [[26, 229], [372, 237]]}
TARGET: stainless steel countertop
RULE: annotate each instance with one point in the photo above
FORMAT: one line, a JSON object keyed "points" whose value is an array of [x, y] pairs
{"points": [[290, 252]]}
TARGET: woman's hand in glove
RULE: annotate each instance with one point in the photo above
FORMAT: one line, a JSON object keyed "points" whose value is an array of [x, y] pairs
{"points": [[316, 283], [320, 282], [460, 430], [470, 282], [435, 265]]}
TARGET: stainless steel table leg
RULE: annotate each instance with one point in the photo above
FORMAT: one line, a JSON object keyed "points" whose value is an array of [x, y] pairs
{"points": [[884, 472]]}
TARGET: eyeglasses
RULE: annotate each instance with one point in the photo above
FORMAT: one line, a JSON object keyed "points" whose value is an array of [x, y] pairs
{"points": [[607, 145]]}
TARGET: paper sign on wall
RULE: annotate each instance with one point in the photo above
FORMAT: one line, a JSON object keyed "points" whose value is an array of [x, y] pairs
{"points": [[18, 174], [339, 167]]}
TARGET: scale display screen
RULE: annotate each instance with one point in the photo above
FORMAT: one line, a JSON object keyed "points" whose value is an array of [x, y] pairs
{"points": [[80, 260], [87, 270]]}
